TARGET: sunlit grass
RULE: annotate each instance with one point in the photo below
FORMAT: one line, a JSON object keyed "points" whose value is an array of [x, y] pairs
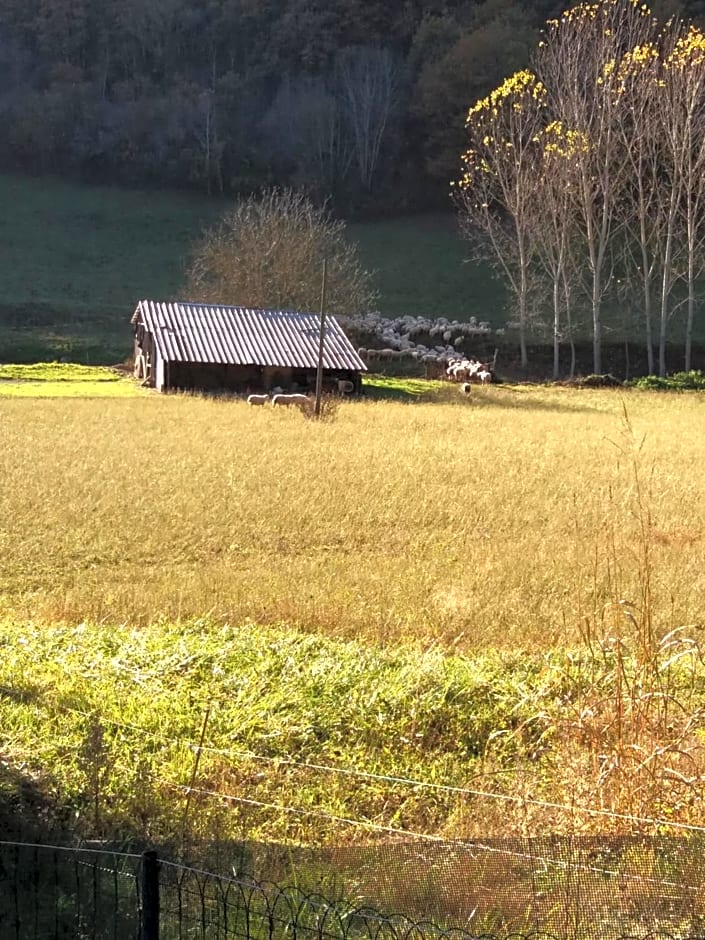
{"points": [[65, 380], [401, 388], [471, 592], [62, 389], [241, 744], [58, 372], [469, 523]]}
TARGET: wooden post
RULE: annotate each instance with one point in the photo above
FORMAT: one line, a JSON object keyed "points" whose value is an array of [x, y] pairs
{"points": [[150, 896], [196, 762], [321, 341]]}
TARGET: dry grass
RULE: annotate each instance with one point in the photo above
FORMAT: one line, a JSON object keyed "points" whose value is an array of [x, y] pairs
{"points": [[563, 528], [492, 522]]}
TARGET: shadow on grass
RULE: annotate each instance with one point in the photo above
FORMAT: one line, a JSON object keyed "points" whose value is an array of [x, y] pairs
{"points": [[27, 811], [528, 398], [509, 397], [40, 333]]}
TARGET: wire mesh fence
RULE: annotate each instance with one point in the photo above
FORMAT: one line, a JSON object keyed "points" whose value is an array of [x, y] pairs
{"points": [[48, 891], [564, 885], [58, 892]]}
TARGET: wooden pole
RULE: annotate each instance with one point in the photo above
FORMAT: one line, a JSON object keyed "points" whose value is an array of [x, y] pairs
{"points": [[196, 761], [321, 341], [149, 927]]}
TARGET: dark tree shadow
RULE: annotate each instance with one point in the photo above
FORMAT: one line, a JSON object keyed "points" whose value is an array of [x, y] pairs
{"points": [[498, 396]]}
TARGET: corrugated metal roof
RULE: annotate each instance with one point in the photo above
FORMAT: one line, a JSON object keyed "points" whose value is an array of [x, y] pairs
{"points": [[191, 332]]}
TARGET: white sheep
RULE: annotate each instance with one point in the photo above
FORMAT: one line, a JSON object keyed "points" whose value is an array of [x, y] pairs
{"points": [[257, 399], [298, 401]]}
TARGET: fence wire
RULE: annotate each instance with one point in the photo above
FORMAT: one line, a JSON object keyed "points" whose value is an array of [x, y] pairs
{"points": [[567, 889], [566, 886], [52, 892]]}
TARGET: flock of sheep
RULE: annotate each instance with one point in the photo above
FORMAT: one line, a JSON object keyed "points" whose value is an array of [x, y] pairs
{"points": [[469, 370], [279, 399], [297, 400], [398, 337]]}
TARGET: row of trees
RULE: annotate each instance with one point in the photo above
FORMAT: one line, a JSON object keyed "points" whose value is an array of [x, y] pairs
{"points": [[585, 177], [361, 100]]}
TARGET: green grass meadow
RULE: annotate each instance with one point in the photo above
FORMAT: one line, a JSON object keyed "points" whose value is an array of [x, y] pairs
{"points": [[65, 380], [75, 260]]}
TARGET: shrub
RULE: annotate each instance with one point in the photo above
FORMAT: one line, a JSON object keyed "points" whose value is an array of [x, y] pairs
{"points": [[678, 381]]}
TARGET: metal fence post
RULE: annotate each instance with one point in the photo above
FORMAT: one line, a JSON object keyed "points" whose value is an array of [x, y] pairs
{"points": [[150, 896]]}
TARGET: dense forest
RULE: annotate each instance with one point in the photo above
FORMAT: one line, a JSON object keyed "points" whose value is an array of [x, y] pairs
{"points": [[363, 100]]}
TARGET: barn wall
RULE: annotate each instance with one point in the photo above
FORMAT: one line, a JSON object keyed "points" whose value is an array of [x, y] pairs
{"points": [[214, 377], [242, 380], [158, 372], [144, 355], [277, 376]]}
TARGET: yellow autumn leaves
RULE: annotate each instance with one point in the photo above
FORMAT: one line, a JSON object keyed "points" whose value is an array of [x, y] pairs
{"points": [[517, 113], [511, 89]]}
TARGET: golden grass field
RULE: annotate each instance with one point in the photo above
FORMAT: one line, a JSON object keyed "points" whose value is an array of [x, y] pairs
{"points": [[503, 521], [442, 619]]}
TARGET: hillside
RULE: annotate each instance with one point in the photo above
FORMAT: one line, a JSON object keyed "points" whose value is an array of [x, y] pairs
{"points": [[76, 258]]}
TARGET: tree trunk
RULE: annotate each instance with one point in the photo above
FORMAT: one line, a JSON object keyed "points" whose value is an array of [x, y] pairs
{"points": [[647, 309], [596, 329], [556, 330], [665, 294], [690, 317], [523, 293], [688, 358], [569, 324], [522, 346]]}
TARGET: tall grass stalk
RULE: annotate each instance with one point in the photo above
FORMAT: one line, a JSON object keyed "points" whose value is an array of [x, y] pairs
{"points": [[639, 704]]}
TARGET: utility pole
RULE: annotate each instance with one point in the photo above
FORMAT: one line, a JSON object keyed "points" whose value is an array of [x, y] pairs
{"points": [[321, 341]]}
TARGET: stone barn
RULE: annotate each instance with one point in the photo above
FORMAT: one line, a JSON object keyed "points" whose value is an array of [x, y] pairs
{"points": [[214, 347]]}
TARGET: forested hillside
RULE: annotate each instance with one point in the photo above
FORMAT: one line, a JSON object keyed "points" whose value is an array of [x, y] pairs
{"points": [[364, 102], [361, 99]]}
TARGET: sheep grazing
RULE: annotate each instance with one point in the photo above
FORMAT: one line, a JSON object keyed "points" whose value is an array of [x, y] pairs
{"points": [[298, 401], [257, 399], [346, 387], [468, 370], [461, 370]]}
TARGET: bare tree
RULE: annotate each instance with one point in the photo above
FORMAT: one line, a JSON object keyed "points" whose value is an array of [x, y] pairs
{"points": [[577, 62], [555, 229], [209, 142], [304, 121], [367, 81], [673, 120], [642, 197], [684, 118], [268, 251], [496, 194]]}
